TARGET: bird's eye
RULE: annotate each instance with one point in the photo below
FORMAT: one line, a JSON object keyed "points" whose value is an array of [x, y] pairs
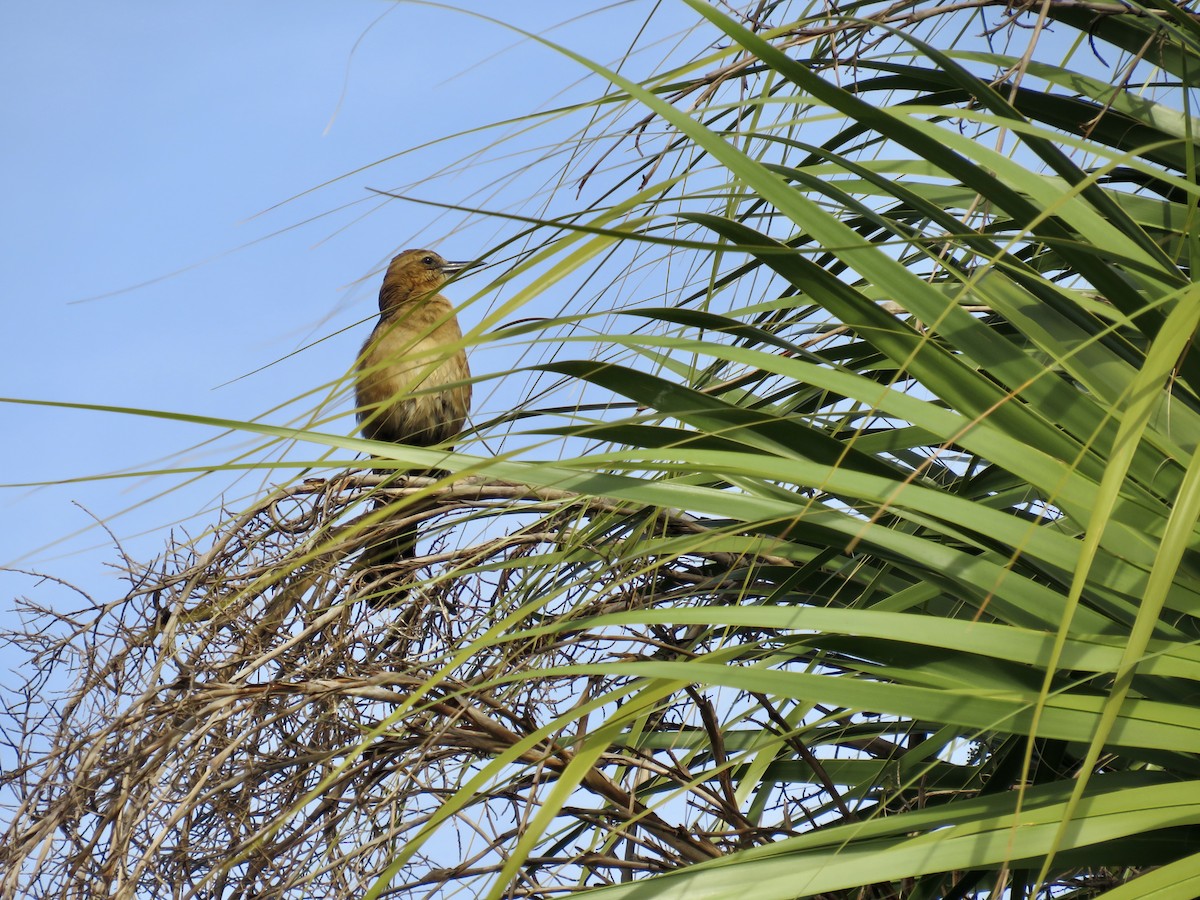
{"points": [[428, 260]]}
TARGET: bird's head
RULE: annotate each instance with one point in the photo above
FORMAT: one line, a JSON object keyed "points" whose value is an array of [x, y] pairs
{"points": [[414, 274]]}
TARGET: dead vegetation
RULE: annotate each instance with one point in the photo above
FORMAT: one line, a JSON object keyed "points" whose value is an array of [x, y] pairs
{"points": [[244, 724]]}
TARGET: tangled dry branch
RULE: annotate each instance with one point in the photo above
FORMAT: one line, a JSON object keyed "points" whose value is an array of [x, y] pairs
{"points": [[250, 721]]}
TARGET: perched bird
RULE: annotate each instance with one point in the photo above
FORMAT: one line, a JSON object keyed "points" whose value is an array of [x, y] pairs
{"points": [[408, 389], [411, 378]]}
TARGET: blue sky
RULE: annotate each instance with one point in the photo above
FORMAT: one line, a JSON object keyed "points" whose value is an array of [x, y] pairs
{"points": [[147, 261]]}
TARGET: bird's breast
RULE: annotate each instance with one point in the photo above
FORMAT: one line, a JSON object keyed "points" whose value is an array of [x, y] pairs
{"points": [[410, 386]]}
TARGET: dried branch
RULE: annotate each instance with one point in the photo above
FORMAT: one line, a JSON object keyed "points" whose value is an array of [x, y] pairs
{"points": [[243, 723]]}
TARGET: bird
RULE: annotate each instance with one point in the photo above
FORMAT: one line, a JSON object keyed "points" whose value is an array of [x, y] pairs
{"points": [[412, 378], [407, 389]]}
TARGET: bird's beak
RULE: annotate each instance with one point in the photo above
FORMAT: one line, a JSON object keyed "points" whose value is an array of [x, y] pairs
{"points": [[453, 268]]}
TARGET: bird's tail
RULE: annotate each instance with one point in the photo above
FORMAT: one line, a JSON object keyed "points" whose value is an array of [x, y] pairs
{"points": [[387, 563]]}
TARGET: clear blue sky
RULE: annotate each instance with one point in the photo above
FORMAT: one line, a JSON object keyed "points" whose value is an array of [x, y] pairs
{"points": [[145, 260]]}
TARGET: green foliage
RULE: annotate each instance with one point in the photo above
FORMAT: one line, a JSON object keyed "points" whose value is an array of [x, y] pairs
{"points": [[949, 394]]}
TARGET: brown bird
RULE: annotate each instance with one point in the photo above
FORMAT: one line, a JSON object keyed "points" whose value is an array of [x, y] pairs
{"points": [[408, 389], [411, 376]]}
